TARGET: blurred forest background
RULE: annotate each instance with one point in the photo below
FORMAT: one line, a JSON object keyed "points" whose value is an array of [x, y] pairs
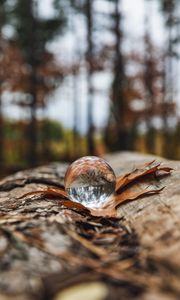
{"points": [[113, 89]]}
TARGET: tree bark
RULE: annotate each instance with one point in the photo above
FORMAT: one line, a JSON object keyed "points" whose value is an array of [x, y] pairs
{"points": [[47, 250]]}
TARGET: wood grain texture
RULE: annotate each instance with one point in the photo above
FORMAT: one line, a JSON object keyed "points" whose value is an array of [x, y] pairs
{"points": [[46, 250]]}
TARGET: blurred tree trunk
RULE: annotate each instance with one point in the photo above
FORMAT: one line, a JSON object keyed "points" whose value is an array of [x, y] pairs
{"points": [[1, 135], [119, 84], [149, 78], [33, 130], [90, 72], [28, 39], [32, 134], [75, 73], [1, 113], [167, 138], [170, 9], [2, 22], [76, 109], [32, 33]]}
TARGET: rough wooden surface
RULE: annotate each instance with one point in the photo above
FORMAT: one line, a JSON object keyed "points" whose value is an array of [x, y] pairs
{"points": [[36, 236]]}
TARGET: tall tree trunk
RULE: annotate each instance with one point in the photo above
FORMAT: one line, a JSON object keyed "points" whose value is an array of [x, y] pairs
{"points": [[75, 79], [165, 132], [118, 86], [2, 21], [149, 78], [170, 23], [1, 135], [75, 125], [32, 132], [90, 71]]}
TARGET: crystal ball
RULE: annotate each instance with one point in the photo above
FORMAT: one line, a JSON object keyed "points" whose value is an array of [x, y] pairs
{"points": [[90, 181]]}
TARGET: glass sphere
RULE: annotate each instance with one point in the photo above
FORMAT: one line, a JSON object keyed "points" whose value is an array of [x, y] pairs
{"points": [[90, 181]]}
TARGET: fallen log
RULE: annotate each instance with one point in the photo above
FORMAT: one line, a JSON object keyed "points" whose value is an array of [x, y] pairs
{"points": [[48, 251]]}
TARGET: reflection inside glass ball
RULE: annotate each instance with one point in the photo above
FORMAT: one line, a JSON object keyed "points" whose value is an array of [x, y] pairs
{"points": [[90, 181]]}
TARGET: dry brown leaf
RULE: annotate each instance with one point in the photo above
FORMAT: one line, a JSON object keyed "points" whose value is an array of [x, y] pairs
{"points": [[129, 187], [47, 192], [149, 168], [74, 205]]}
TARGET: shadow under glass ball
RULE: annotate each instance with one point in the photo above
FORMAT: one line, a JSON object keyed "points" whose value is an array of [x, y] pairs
{"points": [[90, 181]]}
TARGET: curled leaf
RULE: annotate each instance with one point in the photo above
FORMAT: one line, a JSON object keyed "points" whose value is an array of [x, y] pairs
{"points": [[129, 187], [149, 168]]}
